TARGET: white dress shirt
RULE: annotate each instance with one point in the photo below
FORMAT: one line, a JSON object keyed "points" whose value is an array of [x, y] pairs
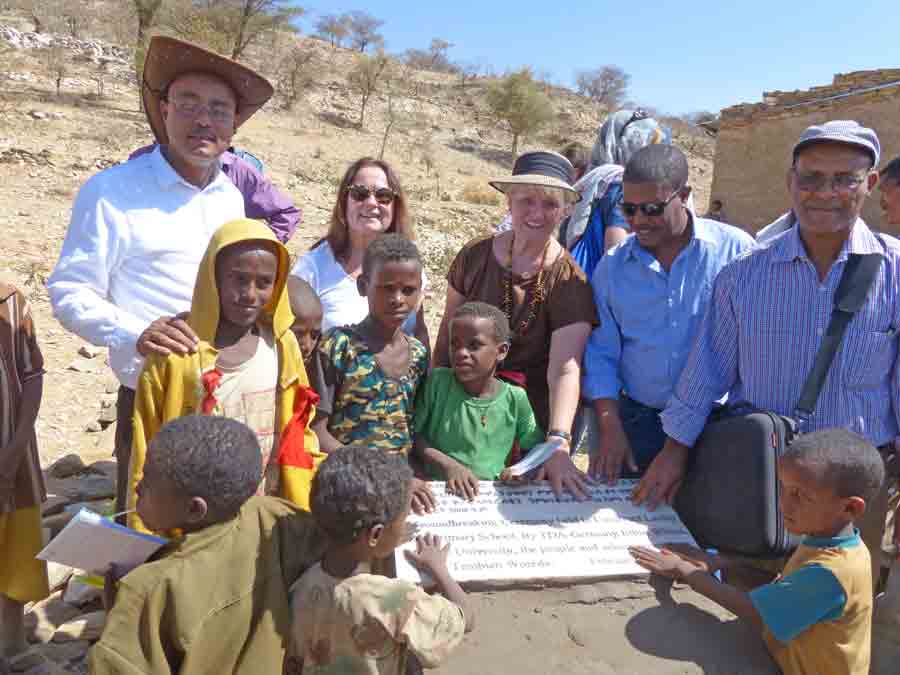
{"points": [[132, 251]]}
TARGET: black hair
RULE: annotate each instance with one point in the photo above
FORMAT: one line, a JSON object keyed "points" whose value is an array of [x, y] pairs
{"points": [[216, 458], [389, 248], [482, 310], [843, 461], [891, 171], [302, 295], [356, 488], [658, 164]]}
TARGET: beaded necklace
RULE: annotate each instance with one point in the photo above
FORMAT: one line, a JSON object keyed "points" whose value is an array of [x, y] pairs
{"points": [[537, 297]]}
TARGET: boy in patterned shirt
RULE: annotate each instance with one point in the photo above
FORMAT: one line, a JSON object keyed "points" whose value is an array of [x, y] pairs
{"points": [[347, 620], [372, 369]]}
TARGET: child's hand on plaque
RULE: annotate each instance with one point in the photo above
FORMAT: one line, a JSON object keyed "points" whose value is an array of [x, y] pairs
{"points": [[430, 554]]}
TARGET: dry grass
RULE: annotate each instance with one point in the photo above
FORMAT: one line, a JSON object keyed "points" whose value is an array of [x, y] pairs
{"points": [[479, 193]]}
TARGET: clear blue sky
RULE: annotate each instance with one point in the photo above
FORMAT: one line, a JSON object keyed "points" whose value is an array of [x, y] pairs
{"points": [[682, 56]]}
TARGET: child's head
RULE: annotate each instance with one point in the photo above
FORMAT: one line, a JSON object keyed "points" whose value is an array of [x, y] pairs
{"points": [[199, 471], [246, 272], [307, 310], [826, 478], [479, 340], [391, 279], [360, 498]]}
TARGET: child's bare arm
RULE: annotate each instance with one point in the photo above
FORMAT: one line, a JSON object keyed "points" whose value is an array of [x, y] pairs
{"points": [[432, 557], [460, 479], [696, 575], [327, 442], [12, 453]]}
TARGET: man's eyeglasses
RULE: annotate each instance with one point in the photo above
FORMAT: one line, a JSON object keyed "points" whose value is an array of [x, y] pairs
{"points": [[360, 193], [218, 113], [649, 209], [841, 182]]}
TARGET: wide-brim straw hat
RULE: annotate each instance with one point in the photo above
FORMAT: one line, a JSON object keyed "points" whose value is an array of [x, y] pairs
{"points": [[167, 58], [541, 168]]}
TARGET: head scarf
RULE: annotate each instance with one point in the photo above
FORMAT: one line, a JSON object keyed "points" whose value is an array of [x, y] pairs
{"points": [[623, 134]]}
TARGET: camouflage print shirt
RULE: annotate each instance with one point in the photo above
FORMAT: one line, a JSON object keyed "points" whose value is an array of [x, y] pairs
{"points": [[363, 404], [368, 624]]}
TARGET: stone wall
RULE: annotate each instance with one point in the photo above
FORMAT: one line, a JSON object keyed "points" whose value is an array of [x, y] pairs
{"points": [[755, 140]]}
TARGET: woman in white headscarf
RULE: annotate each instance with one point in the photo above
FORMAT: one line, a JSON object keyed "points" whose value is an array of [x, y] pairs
{"points": [[597, 223]]}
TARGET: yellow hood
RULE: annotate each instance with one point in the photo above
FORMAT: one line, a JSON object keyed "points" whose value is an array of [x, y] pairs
{"points": [[205, 305]]}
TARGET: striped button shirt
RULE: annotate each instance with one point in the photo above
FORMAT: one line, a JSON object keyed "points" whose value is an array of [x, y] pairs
{"points": [[760, 336]]}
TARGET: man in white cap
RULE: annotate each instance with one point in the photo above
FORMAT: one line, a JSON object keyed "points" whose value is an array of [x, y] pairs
{"points": [[770, 309], [139, 230]]}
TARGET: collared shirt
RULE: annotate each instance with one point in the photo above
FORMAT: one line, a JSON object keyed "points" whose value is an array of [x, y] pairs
{"points": [[649, 317], [262, 200], [131, 253], [764, 326]]}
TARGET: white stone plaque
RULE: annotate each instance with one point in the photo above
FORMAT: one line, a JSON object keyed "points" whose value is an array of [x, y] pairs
{"points": [[524, 532]]}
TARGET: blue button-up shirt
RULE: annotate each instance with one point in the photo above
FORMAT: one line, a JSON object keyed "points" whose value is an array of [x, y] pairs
{"points": [[764, 326], [649, 317]]}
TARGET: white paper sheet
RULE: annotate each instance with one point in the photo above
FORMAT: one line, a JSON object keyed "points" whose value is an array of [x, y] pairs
{"points": [[92, 543]]}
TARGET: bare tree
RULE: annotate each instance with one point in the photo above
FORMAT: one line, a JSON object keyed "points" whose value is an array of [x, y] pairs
{"points": [[334, 28], [296, 75], [607, 86], [57, 63], [467, 72], [518, 101], [98, 76], [365, 78], [438, 52], [363, 30]]}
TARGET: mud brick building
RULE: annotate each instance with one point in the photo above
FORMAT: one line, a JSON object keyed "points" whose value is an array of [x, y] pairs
{"points": [[755, 140]]}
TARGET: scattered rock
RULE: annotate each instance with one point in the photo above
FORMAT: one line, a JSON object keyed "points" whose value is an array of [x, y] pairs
{"points": [[578, 636], [85, 627], [80, 594], [107, 409], [93, 427], [58, 574], [85, 366], [90, 351], [46, 616], [67, 466], [38, 115], [25, 661]]}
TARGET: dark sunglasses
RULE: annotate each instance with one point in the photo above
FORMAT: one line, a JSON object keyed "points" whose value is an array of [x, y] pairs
{"points": [[360, 193], [649, 209]]}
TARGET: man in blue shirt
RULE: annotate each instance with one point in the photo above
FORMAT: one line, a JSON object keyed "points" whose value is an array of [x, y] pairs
{"points": [[651, 292]]}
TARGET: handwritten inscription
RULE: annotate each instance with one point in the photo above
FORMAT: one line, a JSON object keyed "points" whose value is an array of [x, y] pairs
{"points": [[525, 532]]}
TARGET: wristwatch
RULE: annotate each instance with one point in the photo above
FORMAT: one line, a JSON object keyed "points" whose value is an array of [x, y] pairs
{"points": [[556, 433]]}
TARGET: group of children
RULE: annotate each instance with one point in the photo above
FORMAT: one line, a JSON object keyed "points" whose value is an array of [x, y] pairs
{"points": [[267, 406]]}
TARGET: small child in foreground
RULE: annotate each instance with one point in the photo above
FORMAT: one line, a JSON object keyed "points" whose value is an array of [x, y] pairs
{"points": [[817, 618], [215, 599], [372, 370], [467, 420], [347, 620], [23, 578]]}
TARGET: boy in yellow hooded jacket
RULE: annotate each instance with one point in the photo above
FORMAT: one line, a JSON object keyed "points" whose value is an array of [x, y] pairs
{"points": [[247, 364]]}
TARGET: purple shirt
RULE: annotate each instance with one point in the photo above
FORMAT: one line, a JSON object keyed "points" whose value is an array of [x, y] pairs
{"points": [[262, 200]]}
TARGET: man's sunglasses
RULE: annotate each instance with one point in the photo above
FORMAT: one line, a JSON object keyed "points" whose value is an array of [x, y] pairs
{"points": [[360, 193], [649, 209]]}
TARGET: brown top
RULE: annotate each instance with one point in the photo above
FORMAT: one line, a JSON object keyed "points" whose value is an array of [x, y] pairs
{"points": [[478, 275], [20, 361]]}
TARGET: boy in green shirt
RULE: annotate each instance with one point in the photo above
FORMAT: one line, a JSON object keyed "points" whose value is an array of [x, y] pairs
{"points": [[466, 420]]}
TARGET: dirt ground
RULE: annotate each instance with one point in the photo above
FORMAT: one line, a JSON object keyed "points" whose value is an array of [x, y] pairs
{"points": [[50, 145]]}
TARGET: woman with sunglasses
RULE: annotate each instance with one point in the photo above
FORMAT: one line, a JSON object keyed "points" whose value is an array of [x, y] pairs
{"points": [[545, 295], [370, 202]]}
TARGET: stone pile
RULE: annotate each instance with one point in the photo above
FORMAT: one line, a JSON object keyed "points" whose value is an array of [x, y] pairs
{"points": [[93, 50]]}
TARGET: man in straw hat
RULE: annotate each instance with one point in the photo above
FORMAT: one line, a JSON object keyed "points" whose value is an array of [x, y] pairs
{"points": [[139, 230]]}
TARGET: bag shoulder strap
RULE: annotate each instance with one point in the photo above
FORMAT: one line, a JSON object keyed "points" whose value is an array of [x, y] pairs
{"points": [[859, 274]]}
